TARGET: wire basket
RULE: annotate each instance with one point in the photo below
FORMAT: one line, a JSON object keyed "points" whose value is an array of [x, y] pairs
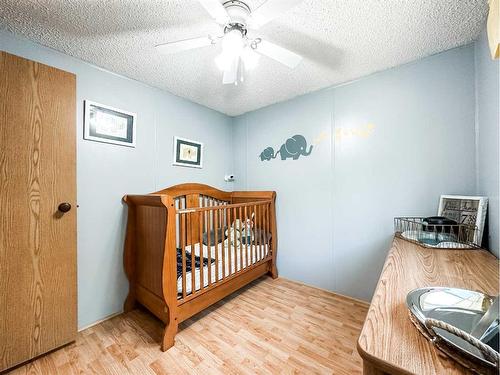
{"points": [[445, 236]]}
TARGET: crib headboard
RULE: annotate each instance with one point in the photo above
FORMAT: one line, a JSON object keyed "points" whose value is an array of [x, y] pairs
{"points": [[194, 195], [191, 191]]}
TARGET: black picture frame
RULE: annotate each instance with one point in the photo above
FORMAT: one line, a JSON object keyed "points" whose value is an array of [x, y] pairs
{"points": [[107, 124], [188, 153]]}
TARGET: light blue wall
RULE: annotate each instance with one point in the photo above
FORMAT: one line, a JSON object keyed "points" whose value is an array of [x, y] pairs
{"points": [[488, 135], [304, 188], [336, 207], [106, 172]]}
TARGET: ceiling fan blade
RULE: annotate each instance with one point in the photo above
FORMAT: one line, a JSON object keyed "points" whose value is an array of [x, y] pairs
{"points": [[269, 11], [280, 54], [184, 45], [216, 10], [231, 72]]}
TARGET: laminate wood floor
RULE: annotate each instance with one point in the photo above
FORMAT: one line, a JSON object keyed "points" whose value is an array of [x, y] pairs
{"points": [[269, 327]]}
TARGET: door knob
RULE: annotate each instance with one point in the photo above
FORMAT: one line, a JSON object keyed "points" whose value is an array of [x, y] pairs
{"points": [[64, 207]]}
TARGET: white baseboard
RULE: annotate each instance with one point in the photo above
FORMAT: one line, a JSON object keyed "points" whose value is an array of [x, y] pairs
{"points": [[100, 321]]}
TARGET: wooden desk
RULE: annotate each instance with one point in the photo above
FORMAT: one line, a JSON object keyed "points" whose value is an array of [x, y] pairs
{"points": [[389, 343]]}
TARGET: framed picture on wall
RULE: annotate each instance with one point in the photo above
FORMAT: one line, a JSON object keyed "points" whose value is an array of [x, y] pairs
{"points": [[188, 153], [465, 210], [109, 125]]}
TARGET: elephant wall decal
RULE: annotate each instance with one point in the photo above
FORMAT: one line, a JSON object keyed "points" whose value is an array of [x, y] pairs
{"points": [[293, 148], [267, 154]]}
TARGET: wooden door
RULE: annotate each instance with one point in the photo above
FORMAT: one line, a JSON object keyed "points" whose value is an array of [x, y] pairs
{"points": [[37, 241]]}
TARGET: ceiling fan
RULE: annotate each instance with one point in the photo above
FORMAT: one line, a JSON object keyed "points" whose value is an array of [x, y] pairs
{"points": [[238, 50]]}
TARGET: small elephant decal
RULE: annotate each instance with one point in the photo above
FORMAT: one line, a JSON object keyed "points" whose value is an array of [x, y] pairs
{"points": [[268, 154], [294, 147]]}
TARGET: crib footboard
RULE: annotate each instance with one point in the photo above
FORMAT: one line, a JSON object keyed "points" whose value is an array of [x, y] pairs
{"points": [[150, 259], [191, 245]]}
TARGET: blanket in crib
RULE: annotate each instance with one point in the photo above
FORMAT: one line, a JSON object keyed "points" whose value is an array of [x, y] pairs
{"points": [[189, 264]]}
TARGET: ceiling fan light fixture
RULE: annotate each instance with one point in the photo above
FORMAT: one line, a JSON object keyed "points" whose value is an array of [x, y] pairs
{"points": [[233, 45], [232, 42], [239, 53]]}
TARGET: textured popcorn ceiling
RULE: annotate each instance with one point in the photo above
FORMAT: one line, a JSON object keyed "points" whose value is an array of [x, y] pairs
{"points": [[340, 39]]}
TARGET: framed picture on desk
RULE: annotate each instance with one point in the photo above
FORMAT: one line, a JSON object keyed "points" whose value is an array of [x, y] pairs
{"points": [[470, 210]]}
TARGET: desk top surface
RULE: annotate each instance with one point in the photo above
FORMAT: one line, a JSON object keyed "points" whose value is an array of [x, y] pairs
{"points": [[388, 339]]}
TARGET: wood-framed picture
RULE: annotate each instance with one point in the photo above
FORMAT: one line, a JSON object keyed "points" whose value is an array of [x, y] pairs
{"points": [[107, 124], [188, 153], [465, 209]]}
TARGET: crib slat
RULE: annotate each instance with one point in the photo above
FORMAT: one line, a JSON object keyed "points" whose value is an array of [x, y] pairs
{"points": [[268, 228], [177, 225], [266, 248], [254, 252], [221, 218], [252, 243], [223, 213], [230, 255], [264, 225], [237, 242], [261, 250], [245, 213], [259, 225], [271, 239], [264, 230], [256, 239], [234, 239], [182, 218], [250, 220], [200, 241], [209, 250], [205, 200], [256, 232], [269, 236], [242, 223], [209, 234], [193, 264], [216, 229], [229, 240]]}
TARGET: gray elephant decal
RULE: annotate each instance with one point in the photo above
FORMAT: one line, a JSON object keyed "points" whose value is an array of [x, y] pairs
{"points": [[268, 154], [294, 147]]}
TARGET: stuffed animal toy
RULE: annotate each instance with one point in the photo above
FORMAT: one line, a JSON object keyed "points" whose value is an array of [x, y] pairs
{"points": [[239, 232]]}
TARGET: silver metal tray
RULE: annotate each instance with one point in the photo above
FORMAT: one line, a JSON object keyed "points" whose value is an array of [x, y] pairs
{"points": [[472, 312]]}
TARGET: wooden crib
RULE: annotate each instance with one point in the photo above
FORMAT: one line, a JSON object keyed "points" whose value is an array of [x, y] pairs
{"points": [[190, 245]]}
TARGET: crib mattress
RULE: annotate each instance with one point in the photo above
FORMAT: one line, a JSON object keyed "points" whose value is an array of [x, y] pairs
{"points": [[255, 250]]}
